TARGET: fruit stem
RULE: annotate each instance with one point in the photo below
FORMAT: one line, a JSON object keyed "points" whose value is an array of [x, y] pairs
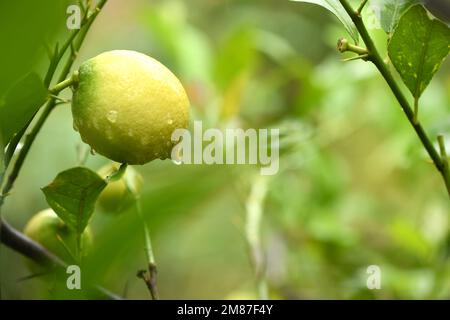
{"points": [[72, 80], [118, 174]]}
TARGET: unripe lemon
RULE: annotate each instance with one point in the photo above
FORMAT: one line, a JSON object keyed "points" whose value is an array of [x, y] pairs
{"points": [[119, 195], [46, 227], [126, 106]]}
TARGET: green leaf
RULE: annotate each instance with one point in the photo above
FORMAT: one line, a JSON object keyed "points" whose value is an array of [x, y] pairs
{"points": [[335, 7], [27, 28], [418, 47], [19, 105], [72, 195], [236, 56], [389, 12]]}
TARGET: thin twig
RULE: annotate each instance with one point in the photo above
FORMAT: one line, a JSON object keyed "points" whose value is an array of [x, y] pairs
{"points": [[149, 276], [87, 21], [254, 207], [29, 139], [361, 7], [377, 60], [50, 104]]}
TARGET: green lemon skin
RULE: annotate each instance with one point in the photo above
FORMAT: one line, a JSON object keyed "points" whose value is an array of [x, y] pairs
{"points": [[121, 194], [126, 106], [45, 227]]}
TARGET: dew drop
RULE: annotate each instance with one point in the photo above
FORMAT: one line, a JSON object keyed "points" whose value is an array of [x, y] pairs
{"points": [[112, 116], [93, 151], [170, 121]]}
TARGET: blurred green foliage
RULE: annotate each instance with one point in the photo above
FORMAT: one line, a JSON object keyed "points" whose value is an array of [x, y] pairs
{"points": [[354, 189]]}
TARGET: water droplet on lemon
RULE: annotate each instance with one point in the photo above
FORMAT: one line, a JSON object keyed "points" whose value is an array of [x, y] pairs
{"points": [[112, 116]]}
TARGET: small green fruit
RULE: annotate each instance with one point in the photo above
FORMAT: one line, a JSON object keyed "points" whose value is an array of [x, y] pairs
{"points": [[126, 106], [47, 229], [121, 194]]}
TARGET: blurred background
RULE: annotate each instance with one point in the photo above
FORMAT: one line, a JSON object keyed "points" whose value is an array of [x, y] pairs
{"points": [[354, 189]]}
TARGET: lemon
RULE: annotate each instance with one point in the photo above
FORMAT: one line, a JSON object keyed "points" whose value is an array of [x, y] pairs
{"points": [[126, 106], [119, 195], [47, 229]]}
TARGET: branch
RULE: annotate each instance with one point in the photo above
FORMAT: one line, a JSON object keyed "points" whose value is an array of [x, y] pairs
{"points": [[71, 81], [254, 207], [33, 250], [149, 276], [12, 237], [444, 158], [29, 139], [361, 7], [377, 60], [87, 21]]}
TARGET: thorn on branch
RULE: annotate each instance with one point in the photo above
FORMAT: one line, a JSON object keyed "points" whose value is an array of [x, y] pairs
{"points": [[364, 57], [344, 46], [361, 7]]}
